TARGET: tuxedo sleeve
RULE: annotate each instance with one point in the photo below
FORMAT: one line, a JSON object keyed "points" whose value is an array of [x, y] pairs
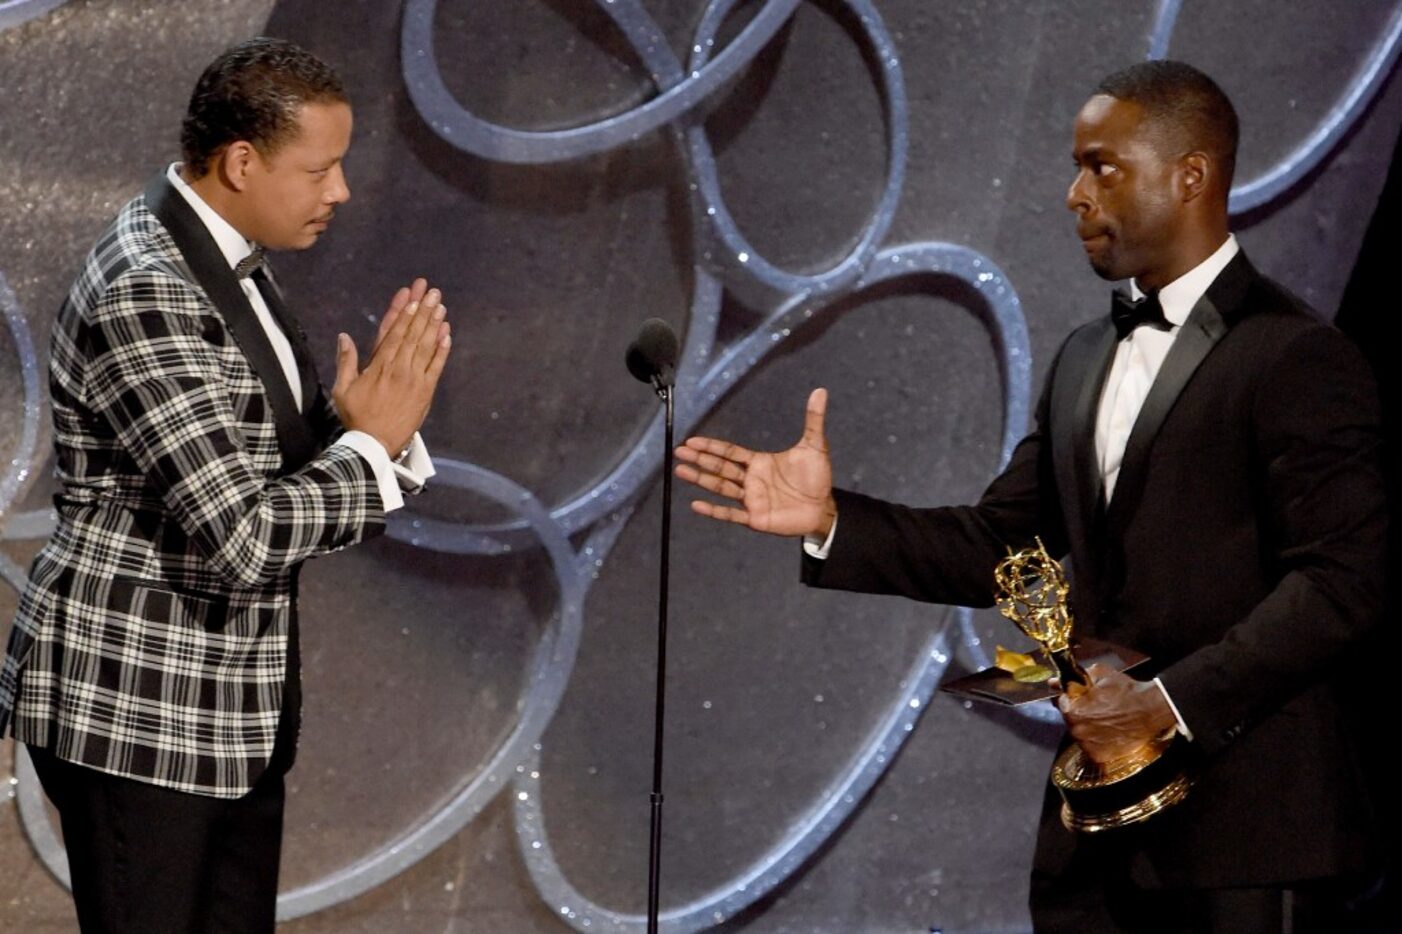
{"points": [[158, 382], [1318, 437], [946, 554]]}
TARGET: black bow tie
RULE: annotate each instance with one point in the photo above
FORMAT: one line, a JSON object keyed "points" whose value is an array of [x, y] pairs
{"points": [[250, 263], [1128, 314]]}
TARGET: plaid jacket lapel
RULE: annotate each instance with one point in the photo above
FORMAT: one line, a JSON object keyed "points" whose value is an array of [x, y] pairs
{"points": [[296, 439]]}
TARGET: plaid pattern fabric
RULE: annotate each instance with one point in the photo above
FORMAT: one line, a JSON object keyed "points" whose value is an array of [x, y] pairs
{"points": [[152, 640]]}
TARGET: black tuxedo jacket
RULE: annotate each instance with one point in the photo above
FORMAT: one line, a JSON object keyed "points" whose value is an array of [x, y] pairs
{"points": [[1242, 550]]}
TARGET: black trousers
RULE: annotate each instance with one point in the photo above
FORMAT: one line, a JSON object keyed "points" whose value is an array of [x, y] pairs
{"points": [[149, 860], [1317, 907], [1093, 890]]}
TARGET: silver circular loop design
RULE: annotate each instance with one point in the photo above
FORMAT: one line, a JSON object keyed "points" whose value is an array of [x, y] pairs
{"points": [[14, 12], [1005, 322], [808, 831], [20, 468], [701, 383], [463, 129], [1305, 158], [542, 687], [603, 496], [836, 804], [34, 818], [706, 175], [625, 481], [15, 477], [1165, 19]]}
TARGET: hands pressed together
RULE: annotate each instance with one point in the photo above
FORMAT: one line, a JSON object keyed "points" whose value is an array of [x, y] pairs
{"points": [[390, 398]]}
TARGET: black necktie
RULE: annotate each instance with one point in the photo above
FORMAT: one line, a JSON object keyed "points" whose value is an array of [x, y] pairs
{"points": [[250, 263], [1128, 314]]}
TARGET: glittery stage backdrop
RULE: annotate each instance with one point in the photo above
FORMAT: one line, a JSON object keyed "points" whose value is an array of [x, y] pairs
{"points": [[860, 194]]}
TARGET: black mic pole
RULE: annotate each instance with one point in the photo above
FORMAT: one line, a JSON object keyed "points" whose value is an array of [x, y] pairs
{"points": [[652, 359], [654, 865]]}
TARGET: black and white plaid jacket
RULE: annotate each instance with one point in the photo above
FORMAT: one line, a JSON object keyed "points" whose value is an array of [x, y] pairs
{"points": [[153, 639]]}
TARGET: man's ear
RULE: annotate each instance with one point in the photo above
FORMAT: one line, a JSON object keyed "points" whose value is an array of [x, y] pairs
{"points": [[235, 163], [1194, 175]]}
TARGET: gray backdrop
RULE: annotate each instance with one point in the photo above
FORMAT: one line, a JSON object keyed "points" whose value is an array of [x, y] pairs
{"points": [[864, 195]]}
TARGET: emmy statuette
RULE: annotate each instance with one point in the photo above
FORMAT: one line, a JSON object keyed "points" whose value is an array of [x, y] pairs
{"points": [[1032, 591]]}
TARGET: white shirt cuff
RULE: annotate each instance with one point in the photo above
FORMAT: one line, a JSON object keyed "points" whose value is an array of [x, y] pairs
{"points": [[819, 548], [375, 455], [1182, 727], [415, 466]]}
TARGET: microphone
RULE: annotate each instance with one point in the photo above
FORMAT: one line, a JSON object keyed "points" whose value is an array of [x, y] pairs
{"points": [[652, 357]]}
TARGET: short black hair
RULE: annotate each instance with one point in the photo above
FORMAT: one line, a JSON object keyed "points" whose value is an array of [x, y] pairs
{"points": [[1188, 109], [253, 92]]}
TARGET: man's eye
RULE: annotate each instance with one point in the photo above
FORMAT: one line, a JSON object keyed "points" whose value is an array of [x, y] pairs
{"points": [[1104, 168]]}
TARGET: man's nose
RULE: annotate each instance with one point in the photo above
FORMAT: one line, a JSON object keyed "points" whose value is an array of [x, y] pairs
{"points": [[1076, 197], [339, 190]]}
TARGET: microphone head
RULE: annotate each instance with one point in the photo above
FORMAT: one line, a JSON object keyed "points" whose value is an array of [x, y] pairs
{"points": [[652, 357]]}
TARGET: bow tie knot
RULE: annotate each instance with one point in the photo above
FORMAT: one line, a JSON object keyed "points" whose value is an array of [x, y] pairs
{"points": [[250, 263], [1128, 314]]}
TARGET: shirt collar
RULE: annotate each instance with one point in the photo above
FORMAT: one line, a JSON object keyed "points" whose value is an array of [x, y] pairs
{"points": [[231, 243], [1180, 295]]}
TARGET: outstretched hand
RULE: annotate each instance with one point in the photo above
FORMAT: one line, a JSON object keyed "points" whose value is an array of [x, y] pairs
{"points": [[783, 493]]}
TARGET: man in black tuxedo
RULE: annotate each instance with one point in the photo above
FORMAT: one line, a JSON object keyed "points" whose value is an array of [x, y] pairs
{"points": [[1208, 457], [152, 671]]}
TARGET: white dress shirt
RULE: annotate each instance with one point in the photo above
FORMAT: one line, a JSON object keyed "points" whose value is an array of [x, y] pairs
{"points": [[414, 467], [1140, 355]]}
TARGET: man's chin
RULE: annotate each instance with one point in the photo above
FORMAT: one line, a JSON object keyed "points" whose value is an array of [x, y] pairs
{"points": [[302, 241], [1106, 269]]}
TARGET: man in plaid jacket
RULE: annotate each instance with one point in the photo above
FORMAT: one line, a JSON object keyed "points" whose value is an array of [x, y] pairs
{"points": [[152, 670]]}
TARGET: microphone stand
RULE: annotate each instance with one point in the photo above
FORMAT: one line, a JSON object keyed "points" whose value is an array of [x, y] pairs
{"points": [[654, 865]]}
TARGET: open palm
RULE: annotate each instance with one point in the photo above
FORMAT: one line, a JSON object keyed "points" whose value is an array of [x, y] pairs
{"points": [[782, 493]]}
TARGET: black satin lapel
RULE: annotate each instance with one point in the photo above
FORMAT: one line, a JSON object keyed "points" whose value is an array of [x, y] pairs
{"points": [[1086, 364], [212, 273], [1206, 325]]}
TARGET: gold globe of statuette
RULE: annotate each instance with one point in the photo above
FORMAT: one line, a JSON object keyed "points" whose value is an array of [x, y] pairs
{"points": [[1032, 592]]}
